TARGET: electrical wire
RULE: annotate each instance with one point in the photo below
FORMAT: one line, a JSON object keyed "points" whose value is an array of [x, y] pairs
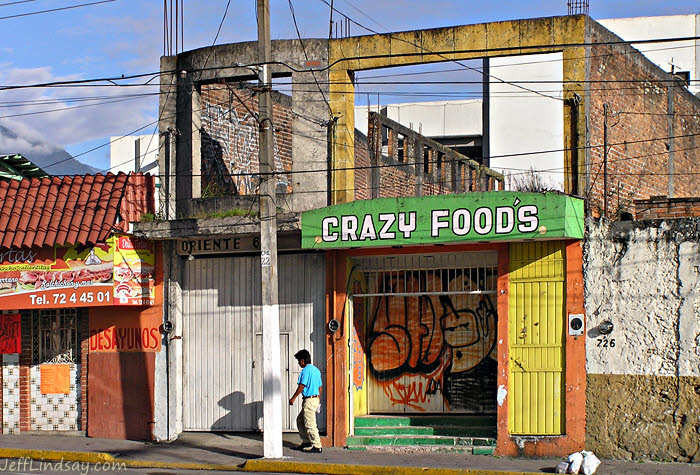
{"points": [[303, 48], [70, 7], [17, 2], [483, 73], [331, 65], [24, 114]]}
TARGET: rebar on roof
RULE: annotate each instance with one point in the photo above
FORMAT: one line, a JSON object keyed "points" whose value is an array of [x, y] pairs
{"points": [[577, 7]]}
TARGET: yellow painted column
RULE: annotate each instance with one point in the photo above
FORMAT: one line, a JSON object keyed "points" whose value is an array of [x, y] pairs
{"points": [[342, 100]]}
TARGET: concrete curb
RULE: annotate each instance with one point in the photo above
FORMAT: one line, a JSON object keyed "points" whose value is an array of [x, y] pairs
{"points": [[281, 466], [257, 465], [56, 455], [105, 458]]}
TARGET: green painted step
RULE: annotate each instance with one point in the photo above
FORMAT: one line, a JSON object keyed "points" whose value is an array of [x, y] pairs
{"points": [[456, 431], [469, 449], [395, 421], [435, 448], [399, 430], [407, 440]]}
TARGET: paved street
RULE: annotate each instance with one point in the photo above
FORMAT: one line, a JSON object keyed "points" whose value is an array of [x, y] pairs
{"points": [[36, 467], [236, 452]]}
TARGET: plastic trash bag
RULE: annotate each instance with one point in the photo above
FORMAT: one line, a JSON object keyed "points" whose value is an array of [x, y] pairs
{"points": [[562, 467], [590, 463], [575, 461]]}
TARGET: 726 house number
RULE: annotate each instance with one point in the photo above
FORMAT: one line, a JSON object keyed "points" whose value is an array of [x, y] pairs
{"points": [[606, 342]]}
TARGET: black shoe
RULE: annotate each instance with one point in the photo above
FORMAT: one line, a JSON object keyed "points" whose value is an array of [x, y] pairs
{"points": [[304, 446], [317, 450]]}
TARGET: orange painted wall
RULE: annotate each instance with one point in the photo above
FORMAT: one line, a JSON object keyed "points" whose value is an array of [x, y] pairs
{"points": [[120, 385], [336, 352]]}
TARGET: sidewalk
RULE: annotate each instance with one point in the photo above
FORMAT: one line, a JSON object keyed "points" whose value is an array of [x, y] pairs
{"points": [[243, 452]]}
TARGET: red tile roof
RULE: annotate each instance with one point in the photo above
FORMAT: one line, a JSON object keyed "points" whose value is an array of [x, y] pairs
{"points": [[73, 209]]}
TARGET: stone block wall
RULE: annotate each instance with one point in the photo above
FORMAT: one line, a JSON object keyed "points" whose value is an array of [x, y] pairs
{"points": [[643, 378]]}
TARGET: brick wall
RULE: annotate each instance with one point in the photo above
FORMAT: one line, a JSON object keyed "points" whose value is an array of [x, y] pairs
{"points": [[647, 111], [230, 140], [395, 177], [661, 207], [362, 173]]}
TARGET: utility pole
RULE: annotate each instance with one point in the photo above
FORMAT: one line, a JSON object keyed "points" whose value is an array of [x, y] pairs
{"points": [[605, 160], [272, 393]]}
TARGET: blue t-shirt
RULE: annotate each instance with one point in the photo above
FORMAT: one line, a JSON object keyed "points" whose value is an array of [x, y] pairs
{"points": [[310, 377]]}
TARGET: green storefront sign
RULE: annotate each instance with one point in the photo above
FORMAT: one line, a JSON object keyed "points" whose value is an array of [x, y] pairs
{"points": [[481, 217]]}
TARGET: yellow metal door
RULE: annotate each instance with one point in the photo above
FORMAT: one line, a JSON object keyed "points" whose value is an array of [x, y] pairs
{"points": [[536, 338]]}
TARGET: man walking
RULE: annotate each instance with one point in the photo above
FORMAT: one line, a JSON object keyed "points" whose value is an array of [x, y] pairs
{"points": [[309, 386]]}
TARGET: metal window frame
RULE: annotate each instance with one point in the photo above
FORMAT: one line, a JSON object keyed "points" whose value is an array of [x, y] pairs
{"points": [[67, 328], [478, 265]]}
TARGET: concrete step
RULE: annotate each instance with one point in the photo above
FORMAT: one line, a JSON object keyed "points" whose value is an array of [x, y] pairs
{"points": [[430, 420], [411, 440], [458, 431], [465, 449]]}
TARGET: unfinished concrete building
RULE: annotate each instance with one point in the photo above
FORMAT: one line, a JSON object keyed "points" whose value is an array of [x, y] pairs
{"points": [[534, 373]]}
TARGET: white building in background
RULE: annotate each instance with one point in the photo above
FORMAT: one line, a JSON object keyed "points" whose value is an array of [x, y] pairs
{"points": [[137, 153], [678, 57], [431, 119], [525, 126], [519, 122], [521, 129]]}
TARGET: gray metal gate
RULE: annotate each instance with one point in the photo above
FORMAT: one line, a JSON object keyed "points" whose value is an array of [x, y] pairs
{"points": [[222, 337]]}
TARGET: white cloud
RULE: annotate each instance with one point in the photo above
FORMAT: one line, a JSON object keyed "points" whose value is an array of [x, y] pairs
{"points": [[74, 116]]}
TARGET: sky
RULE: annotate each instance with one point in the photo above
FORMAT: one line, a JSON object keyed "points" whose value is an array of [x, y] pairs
{"points": [[125, 37]]}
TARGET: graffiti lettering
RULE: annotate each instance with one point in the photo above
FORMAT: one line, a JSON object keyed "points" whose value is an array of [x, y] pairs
{"points": [[433, 343], [237, 138], [411, 395]]}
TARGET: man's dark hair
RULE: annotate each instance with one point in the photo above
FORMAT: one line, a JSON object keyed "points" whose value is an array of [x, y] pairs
{"points": [[304, 356]]}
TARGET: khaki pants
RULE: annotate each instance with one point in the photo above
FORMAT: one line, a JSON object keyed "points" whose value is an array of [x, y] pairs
{"points": [[306, 421]]}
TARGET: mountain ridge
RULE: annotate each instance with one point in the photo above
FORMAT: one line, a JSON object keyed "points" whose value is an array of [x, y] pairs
{"points": [[53, 160]]}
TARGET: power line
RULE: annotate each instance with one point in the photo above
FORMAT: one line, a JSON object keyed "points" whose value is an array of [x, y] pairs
{"points": [[55, 9], [68, 100], [440, 183], [16, 3], [328, 67], [218, 31], [483, 73], [24, 114], [313, 120], [510, 155], [99, 146], [523, 63], [303, 48], [167, 97], [494, 156]]}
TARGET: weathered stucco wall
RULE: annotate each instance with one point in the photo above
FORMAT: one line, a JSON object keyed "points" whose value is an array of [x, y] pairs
{"points": [[643, 397]]}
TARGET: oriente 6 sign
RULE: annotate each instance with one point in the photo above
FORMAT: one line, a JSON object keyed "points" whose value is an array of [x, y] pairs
{"points": [[499, 215]]}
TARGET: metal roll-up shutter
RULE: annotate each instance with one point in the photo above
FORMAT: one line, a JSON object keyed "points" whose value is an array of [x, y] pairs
{"points": [[222, 337]]}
